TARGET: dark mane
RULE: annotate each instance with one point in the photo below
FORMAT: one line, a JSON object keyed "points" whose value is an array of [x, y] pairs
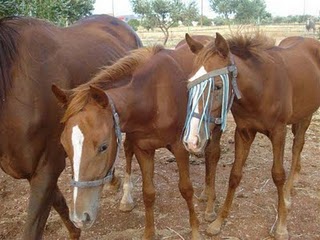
{"points": [[244, 46], [251, 45], [9, 37], [120, 69], [9, 40]]}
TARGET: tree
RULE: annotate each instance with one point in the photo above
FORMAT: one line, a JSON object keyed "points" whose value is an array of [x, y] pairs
{"points": [[61, 12], [224, 7], [248, 11], [244, 11], [134, 23], [190, 14], [162, 13]]}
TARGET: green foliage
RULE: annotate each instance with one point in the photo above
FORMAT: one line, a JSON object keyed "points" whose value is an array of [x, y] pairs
{"points": [[244, 11], [205, 21], [219, 21], [190, 14], [134, 23], [250, 11], [61, 12], [163, 13], [224, 7]]}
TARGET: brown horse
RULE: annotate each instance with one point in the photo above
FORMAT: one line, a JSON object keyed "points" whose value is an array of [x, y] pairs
{"points": [[144, 95], [34, 55], [275, 86]]}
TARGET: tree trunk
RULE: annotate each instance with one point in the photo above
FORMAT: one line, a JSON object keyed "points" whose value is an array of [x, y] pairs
{"points": [[166, 34]]}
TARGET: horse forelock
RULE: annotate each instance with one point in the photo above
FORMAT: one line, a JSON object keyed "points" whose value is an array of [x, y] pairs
{"points": [[244, 46], [121, 68]]}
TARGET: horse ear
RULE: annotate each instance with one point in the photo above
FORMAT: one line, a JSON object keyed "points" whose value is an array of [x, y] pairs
{"points": [[194, 45], [221, 45], [99, 96], [62, 95]]}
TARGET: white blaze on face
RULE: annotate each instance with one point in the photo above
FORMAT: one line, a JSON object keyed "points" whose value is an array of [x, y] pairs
{"points": [[193, 138], [77, 139]]}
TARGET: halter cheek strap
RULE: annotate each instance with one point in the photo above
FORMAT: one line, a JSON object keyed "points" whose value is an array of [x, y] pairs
{"points": [[109, 176]]}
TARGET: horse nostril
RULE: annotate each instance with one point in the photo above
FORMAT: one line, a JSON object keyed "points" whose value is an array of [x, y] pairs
{"points": [[86, 217]]}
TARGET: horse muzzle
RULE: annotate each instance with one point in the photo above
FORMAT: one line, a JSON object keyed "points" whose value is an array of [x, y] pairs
{"points": [[82, 221]]}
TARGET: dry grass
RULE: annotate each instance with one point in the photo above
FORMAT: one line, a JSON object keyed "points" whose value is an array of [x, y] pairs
{"points": [[278, 32]]}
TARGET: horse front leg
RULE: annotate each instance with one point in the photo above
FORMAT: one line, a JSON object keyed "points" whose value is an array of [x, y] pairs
{"points": [[127, 203], [298, 130], [212, 156], [42, 186], [243, 141], [60, 205], [146, 163], [278, 137], [185, 186]]}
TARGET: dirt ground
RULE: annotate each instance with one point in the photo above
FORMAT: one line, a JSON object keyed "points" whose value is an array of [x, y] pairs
{"points": [[253, 212]]}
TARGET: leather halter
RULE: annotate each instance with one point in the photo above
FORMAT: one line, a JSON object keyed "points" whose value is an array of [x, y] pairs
{"points": [[109, 176]]}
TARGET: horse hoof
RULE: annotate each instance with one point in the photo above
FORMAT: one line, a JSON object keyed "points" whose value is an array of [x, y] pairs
{"points": [[126, 207], [214, 229], [281, 236], [210, 216]]}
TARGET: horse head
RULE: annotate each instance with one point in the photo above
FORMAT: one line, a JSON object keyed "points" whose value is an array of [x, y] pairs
{"points": [[89, 138], [209, 91]]}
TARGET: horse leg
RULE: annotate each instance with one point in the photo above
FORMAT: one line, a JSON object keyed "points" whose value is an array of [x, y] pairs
{"points": [[298, 130], [212, 156], [278, 137], [146, 163], [42, 186], [185, 186], [127, 203], [243, 141], [60, 205]]}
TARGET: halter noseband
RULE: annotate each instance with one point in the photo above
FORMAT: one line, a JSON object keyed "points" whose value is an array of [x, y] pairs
{"points": [[109, 176]]}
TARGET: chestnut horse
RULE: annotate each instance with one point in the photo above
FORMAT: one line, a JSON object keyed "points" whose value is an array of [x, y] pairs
{"points": [[271, 87], [34, 55], [144, 95]]}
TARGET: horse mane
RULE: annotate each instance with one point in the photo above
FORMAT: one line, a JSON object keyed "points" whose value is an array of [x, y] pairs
{"points": [[244, 46], [122, 68], [8, 48], [251, 45], [9, 40]]}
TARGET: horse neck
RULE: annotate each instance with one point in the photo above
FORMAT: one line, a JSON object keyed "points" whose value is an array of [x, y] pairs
{"points": [[185, 58], [249, 86], [127, 101]]}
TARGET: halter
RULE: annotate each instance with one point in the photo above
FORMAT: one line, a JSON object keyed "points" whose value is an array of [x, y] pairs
{"points": [[197, 89], [109, 175]]}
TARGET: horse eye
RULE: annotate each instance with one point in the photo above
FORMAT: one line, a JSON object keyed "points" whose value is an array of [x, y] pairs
{"points": [[103, 148], [216, 87]]}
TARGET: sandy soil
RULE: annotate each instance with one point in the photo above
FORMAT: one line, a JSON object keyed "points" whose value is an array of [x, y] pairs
{"points": [[253, 212]]}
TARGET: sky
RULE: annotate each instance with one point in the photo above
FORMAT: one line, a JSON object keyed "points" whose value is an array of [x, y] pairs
{"points": [[275, 7]]}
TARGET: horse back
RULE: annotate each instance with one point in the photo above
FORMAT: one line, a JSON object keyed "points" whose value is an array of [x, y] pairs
{"points": [[299, 60]]}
